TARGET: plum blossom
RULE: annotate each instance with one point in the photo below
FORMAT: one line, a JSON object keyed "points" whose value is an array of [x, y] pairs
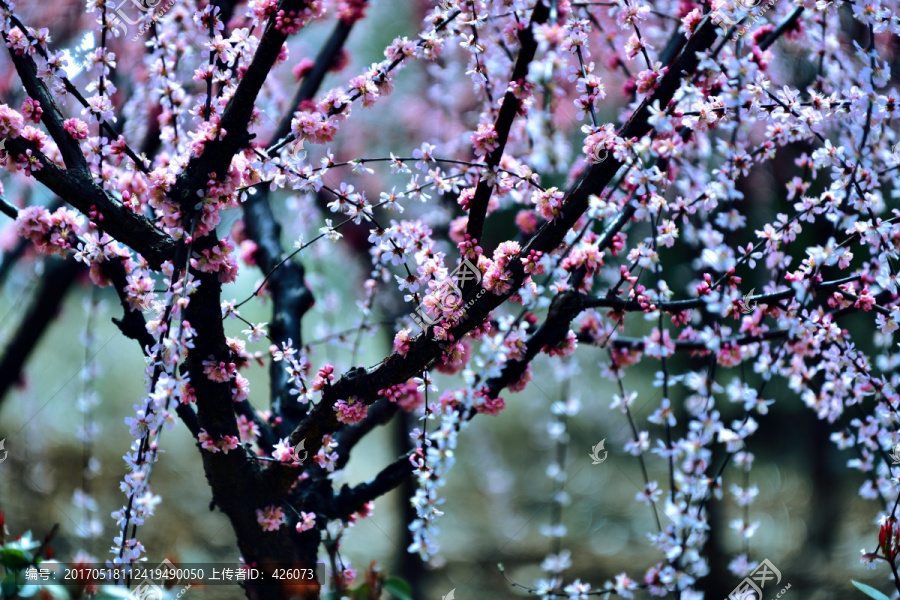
{"points": [[270, 518], [350, 411], [485, 139], [306, 522]]}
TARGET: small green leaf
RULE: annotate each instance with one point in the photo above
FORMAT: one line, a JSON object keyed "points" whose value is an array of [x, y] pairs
{"points": [[15, 559], [8, 586], [398, 588], [869, 591]]}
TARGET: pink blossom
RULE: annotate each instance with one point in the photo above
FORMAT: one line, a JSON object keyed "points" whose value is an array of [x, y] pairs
{"points": [[313, 126], [219, 259], [241, 388], [659, 345], [532, 262], [11, 122], [228, 442], [624, 585], [527, 222], [548, 203], [271, 518], [648, 80], [77, 128], [247, 429], [347, 577], [350, 411], [407, 395], [455, 357], [218, 371], [18, 42], [207, 442], [51, 233], [283, 451], [565, 348], [485, 139], [323, 378], [303, 68], [289, 22], [487, 405], [32, 110], [401, 342], [522, 382], [306, 522], [29, 163]]}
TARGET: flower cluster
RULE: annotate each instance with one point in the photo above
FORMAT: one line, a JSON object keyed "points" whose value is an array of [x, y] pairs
{"points": [[431, 460]]}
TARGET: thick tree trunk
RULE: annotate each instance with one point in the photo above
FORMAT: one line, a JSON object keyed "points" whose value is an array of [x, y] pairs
{"points": [[238, 485]]}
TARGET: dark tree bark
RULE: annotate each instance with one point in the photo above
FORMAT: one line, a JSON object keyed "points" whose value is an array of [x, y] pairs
{"points": [[39, 315]]}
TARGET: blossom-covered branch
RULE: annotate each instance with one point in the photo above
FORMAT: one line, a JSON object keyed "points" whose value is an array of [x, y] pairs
{"points": [[491, 138], [423, 350]]}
